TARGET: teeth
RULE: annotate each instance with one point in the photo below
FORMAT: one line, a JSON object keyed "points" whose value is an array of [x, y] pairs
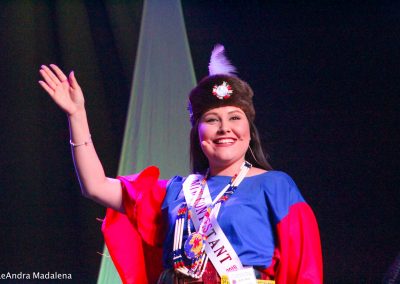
{"points": [[223, 141]]}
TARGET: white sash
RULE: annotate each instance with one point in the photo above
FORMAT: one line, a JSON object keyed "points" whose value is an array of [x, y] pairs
{"points": [[217, 246]]}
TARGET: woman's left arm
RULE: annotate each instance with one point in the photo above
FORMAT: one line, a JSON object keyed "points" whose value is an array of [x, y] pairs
{"points": [[299, 246]]}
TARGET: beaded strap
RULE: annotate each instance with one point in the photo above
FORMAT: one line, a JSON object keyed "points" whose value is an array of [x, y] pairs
{"points": [[199, 262]]}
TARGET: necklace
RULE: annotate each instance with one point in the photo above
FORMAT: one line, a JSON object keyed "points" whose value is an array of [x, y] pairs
{"points": [[194, 246]]}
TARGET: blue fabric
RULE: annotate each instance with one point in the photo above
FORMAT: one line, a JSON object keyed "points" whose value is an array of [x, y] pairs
{"points": [[248, 218]]}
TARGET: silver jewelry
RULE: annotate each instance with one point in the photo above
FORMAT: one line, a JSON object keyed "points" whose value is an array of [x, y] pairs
{"points": [[252, 154], [74, 145]]}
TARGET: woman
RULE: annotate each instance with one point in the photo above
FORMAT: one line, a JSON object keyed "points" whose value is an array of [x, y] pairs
{"points": [[235, 218]]}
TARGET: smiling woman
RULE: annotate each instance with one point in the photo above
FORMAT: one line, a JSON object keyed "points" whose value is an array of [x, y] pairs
{"points": [[195, 219], [235, 93], [224, 135]]}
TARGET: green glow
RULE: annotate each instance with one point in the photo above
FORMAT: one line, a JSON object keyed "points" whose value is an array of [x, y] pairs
{"points": [[157, 126]]}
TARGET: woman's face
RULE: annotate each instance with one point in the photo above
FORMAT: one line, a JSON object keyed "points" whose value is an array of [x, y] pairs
{"points": [[224, 136]]}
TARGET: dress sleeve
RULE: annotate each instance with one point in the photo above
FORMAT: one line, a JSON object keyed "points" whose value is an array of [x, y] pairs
{"points": [[299, 247], [297, 256], [133, 239]]}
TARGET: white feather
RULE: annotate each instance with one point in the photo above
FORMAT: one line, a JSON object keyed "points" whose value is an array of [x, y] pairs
{"points": [[219, 64]]}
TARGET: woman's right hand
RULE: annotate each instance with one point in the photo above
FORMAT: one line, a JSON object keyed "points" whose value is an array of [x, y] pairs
{"points": [[65, 91], [67, 94]]}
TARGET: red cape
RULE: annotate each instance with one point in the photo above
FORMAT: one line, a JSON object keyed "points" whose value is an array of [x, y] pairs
{"points": [[135, 243], [134, 239]]}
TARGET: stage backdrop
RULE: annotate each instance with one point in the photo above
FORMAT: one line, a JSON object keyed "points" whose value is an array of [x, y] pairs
{"points": [[326, 82], [157, 126]]}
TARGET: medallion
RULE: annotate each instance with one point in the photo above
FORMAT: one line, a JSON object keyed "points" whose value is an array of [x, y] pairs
{"points": [[194, 245], [223, 91]]}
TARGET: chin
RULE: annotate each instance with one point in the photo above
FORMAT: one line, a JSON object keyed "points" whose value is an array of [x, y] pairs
{"points": [[225, 160]]}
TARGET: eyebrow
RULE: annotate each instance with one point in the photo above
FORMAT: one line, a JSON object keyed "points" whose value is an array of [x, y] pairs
{"points": [[233, 111], [239, 111]]}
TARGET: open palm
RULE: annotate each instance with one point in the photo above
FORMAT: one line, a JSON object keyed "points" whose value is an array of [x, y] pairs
{"points": [[64, 91]]}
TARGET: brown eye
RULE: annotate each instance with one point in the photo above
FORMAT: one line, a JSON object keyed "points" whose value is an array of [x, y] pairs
{"points": [[211, 119]]}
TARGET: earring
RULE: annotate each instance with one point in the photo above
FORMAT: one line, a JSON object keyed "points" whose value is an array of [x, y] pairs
{"points": [[252, 154]]}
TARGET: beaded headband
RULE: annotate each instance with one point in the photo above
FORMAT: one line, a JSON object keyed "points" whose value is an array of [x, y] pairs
{"points": [[221, 88]]}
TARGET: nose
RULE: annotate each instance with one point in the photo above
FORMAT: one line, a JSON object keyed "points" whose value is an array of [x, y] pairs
{"points": [[224, 128]]}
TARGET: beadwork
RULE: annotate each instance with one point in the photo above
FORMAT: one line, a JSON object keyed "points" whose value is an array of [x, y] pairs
{"points": [[194, 248]]}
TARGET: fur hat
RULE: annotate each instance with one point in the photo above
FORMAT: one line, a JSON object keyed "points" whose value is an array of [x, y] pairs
{"points": [[221, 88]]}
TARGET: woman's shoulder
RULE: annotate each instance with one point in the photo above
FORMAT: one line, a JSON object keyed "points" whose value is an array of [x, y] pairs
{"points": [[270, 176], [280, 192], [175, 181], [174, 187], [276, 182]]}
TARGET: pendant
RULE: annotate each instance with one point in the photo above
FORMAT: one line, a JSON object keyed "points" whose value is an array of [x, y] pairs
{"points": [[194, 245]]}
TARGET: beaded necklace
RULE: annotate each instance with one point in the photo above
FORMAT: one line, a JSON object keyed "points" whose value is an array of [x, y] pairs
{"points": [[194, 247]]}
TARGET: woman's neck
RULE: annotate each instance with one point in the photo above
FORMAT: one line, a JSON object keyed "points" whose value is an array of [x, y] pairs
{"points": [[233, 169], [225, 169]]}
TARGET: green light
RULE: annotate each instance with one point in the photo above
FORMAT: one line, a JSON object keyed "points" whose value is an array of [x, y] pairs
{"points": [[157, 126]]}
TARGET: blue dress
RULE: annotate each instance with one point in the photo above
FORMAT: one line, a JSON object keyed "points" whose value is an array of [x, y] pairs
{"points": [[266, 220], [248, 218]]}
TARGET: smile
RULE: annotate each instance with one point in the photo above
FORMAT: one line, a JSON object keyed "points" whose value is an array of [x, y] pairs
{"points": [[224, 141]]}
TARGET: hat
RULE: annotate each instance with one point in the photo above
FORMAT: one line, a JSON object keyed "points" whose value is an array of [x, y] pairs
{"points": [[221, 88]]}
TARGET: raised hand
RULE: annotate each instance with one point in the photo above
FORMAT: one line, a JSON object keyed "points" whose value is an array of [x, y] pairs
{"points": [[64, 91]]}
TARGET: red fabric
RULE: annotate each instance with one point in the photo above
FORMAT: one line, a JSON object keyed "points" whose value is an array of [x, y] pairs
{"points": [[134, 243], [134, 239], [298, 257]]}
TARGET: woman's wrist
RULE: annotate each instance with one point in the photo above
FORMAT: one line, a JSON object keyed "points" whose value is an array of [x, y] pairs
{"points": [[79, 127], [78, 114], [82, 143]]}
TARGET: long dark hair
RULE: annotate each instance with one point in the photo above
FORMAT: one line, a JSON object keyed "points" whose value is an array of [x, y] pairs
{"points": [[201, 100], [199, 162]]}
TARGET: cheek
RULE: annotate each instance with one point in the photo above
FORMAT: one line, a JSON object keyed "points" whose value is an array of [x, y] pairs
{"points": [[245, 132], [204, 131], [200, 131]]}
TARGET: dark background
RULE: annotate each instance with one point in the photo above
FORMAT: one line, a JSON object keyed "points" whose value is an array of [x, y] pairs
{"points": [[326, 82]]}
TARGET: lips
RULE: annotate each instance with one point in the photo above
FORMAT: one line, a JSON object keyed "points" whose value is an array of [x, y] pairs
{"points": [[224, 141]]}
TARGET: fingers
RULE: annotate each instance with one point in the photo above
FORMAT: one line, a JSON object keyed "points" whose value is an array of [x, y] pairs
{"points": [[60, 74], [47, 79], [50, 75], [53, 76], [46, 88], [72, 80]]}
